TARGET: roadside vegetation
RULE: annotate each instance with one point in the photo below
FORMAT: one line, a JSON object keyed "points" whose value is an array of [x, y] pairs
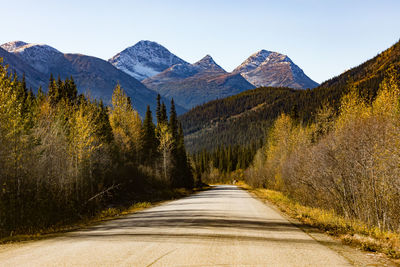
{"points": [[109, 212], [65, 157], [339, 172], [350, 231], [246, 118]]}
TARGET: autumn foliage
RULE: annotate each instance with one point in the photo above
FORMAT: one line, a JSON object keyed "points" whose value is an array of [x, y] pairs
{"points": [[347, 163], [64, 156]]}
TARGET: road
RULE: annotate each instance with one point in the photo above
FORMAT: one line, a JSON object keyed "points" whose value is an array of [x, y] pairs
{"points": [[224, 226]]}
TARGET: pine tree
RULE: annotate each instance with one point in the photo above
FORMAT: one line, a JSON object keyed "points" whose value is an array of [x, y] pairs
{"points": [[105, 130], [183, 162], [150, 142], [24, 83], [158, 110], [53, 92], [173, 121], [163, 114]]}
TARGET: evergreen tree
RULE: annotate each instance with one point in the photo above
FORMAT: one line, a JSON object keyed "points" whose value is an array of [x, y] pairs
{"points": [[173, 121], [150, 142], [158, 110], [53, 92], [163, 114], [24, 82], [105, 130]]}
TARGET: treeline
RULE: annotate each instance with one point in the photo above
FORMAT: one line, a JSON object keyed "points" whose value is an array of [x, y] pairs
{"points": [[63, 155], [223, 161], [348, 162], [228, 121]]}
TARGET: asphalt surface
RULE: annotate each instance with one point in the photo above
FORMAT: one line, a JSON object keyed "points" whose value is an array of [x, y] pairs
{"points": [[224, 226]]}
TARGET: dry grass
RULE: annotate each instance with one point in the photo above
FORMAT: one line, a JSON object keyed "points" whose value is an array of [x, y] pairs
{"points": [[349, 231]]}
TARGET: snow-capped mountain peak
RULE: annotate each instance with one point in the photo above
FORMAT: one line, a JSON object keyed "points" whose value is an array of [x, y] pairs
{"points": [[267, 68], [145, 59], [20, 47], [253, 61], [39, 56], [12, 46]]}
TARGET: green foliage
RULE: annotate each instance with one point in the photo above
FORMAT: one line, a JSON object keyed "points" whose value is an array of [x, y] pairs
{"points": [[348, 163], [229, 121], [150, 141], [224, 159], [64, 156]]}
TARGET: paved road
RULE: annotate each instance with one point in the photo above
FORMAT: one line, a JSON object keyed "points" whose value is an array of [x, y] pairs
{"points": [[224, 226]]}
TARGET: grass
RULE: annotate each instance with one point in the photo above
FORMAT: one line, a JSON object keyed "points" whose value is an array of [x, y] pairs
{"points": [[351, 232], [103, 215]]}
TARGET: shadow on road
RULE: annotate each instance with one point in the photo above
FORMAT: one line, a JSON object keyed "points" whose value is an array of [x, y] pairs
{"points": [[192, 220]]}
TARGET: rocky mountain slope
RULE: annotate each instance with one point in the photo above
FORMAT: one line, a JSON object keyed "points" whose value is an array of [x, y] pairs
{"points": [[194, 84], [229, 121], [266, 68], [198, 83], [145, 59], [33, 78], [93, 76]]}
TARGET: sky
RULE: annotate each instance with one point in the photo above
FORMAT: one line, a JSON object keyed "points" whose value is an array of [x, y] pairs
{"points": [[323, 37]]}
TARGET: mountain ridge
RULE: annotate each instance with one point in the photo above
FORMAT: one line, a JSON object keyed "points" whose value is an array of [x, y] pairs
{"points": [[144, 59], [92, 75], [228, 121], [267, 68], [197, 83], [185, 81]]}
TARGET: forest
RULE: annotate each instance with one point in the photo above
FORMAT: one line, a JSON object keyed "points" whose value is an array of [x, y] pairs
{"points": [[228, 121], [64, 155], [339, 172], [346, 160]]}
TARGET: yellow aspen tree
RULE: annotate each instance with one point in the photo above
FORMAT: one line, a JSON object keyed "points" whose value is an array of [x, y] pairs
{"points": [[126, 124], [166, 144], [85, 143]]}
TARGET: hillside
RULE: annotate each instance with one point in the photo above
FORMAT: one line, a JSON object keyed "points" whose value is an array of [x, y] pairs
{"points": [[92, 75], [198, 83], [272, 69], [246, 117], [368, 75], [34, 78], [144, 59]]}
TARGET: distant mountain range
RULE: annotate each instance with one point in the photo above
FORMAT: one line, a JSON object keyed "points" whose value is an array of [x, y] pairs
{"points": [[92, 75], [194, 84], [144, 59], [229, 121], [147, 68]]}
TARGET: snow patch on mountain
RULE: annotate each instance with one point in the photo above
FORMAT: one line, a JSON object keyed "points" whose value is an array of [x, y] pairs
{"points": [[12, 46], [253, 61], [39, 56], [145, 59], [267, 68]]}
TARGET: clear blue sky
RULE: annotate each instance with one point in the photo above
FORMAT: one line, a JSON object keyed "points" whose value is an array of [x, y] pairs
{"points": [[323, 37]]}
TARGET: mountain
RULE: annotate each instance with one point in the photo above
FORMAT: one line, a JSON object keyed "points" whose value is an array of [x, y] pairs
{"points": [[41, 57], [266, 68], [229, 121], [92, 75], [194, 84], [144, 59], [208, 65], [367, 76], [33, 78]]}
